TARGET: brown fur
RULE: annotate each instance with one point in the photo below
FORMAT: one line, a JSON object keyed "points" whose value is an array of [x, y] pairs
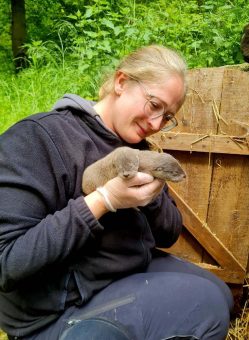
{"points": [[126, 162]]}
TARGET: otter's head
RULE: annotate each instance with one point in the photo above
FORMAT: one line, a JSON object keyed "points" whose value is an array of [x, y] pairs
{"points": [[168, 168]]}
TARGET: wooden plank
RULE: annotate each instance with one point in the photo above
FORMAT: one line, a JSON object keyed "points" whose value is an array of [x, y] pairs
{"points": [[217, 183], [204, 88], [226, 275], [196, 187], [201, 142], [247, 271], [228, 204], [203, 234], [234, 105], [187, 247], [195, 190]]}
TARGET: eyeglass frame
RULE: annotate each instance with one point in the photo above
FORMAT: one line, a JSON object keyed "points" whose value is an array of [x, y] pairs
{"points": [[167, 116]]}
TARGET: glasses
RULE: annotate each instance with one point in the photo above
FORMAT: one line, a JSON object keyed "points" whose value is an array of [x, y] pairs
{"points": [[154, 108]]}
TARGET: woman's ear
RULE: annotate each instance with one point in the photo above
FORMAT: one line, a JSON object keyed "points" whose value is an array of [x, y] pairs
{"points": [[119, 82]]}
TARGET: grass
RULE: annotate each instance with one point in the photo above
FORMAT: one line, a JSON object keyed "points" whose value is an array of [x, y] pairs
{"points": [[36, 90], [239, 327]]}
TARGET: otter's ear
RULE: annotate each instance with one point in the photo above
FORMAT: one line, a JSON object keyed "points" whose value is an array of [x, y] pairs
{"points": [[119, 82]]}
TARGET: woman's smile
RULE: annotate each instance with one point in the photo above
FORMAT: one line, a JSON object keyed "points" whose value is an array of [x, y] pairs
{"points": [[141, 131]]}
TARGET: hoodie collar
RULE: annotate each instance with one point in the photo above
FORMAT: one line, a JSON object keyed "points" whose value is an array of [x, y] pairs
{"points": [[73, 101]]}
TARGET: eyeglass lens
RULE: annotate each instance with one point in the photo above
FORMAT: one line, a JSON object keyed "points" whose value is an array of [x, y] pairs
{"points": [[154, 108]]}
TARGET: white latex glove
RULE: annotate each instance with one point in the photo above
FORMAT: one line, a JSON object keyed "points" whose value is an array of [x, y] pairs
{"points": [[119, 193]]}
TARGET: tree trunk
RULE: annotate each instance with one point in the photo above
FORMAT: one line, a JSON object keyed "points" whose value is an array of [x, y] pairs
{"points": [[18, 30]]}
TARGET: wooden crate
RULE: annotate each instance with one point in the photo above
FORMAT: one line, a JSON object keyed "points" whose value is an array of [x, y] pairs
{"points": [[212, 144]]}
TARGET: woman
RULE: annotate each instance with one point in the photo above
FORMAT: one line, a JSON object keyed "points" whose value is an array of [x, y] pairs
{"points": [[86, 267]]}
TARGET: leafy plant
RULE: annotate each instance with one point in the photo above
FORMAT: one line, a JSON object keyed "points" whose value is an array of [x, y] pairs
{"points": [[72, 44]]}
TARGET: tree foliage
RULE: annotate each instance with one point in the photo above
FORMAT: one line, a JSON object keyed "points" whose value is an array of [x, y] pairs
{"points": [[71, 44], [207, 32]]}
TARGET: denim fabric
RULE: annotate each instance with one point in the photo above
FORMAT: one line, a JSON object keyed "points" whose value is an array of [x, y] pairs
{"points": [[96, 329], [172, 300]]}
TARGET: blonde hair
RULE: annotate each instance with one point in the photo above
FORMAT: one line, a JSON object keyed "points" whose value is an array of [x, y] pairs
{"points": [[152, 63]]}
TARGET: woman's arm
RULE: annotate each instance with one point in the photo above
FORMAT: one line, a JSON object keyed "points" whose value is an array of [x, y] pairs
{"points": [[96, 204], [40, 224]]}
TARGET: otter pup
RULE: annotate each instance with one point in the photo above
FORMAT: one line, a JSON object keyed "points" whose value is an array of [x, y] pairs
{"points": [[126, 162]]}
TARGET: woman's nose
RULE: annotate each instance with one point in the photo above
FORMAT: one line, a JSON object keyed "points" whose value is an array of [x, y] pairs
{"points": [[155, 124]]}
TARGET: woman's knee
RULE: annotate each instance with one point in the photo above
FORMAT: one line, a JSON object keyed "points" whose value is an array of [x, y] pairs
{"points": [[95, 329], [214, 312], [171, 263], [183, 305]]}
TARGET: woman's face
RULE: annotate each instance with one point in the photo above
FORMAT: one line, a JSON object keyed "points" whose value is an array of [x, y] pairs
{"points": [[128, 117]]}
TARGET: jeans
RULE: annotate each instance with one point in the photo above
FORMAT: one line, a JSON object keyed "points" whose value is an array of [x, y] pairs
{"points": [[171, 299], [96, 329]]}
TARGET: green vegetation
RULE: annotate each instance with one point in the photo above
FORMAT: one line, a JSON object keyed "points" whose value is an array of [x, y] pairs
{"points": [[71, 44]]}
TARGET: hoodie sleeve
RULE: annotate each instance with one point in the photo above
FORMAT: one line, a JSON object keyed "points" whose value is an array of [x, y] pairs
{"points": [[40, 224], [164, 219]]}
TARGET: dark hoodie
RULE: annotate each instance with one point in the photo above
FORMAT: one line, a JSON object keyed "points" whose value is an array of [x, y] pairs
{"points": [[52, 249]]}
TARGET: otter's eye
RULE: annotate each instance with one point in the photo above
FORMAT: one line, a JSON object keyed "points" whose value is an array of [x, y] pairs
{"points": [[174, 173], [159, 169]]}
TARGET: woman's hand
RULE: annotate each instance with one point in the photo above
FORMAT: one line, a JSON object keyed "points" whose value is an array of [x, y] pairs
{"points": [[119, 193]]}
